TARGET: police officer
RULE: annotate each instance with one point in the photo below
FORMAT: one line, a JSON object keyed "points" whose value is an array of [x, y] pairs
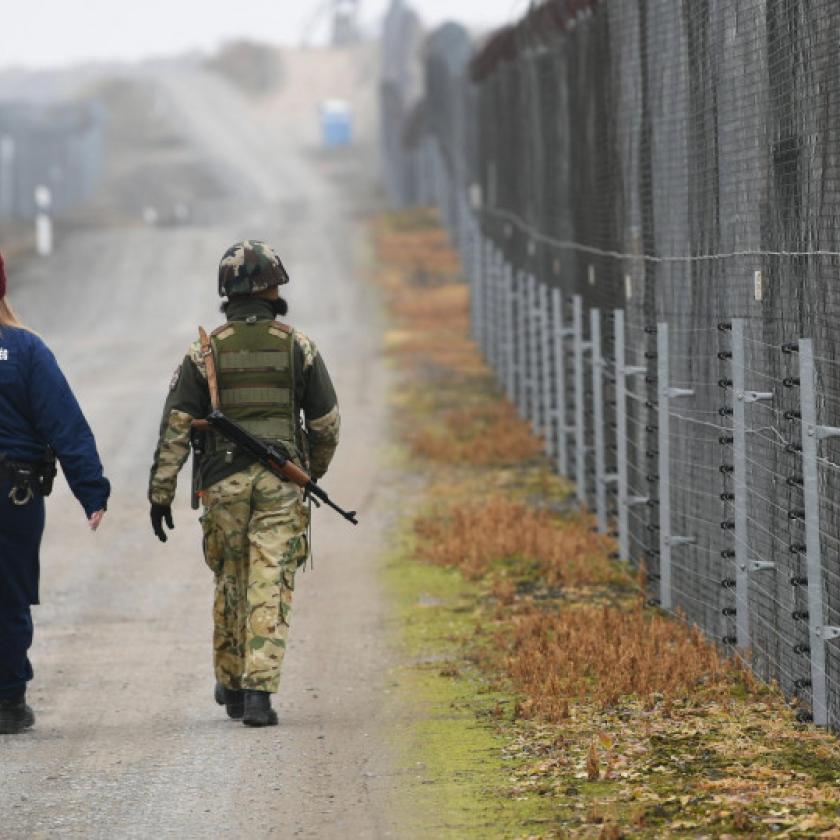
{"points": [[273, 382], [39, 416]]}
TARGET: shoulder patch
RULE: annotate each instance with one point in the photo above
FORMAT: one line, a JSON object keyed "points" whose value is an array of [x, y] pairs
{"points": [[223, 333]]}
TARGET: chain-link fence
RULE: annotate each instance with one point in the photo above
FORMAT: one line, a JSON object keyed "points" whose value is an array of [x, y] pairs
{"points": [[653, 243], [58, 146]]}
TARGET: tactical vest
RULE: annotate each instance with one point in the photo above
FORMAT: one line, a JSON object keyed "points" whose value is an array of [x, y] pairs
{"points": [[256, 375]]}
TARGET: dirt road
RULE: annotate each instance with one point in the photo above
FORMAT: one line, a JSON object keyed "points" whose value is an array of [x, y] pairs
{"points": [[128, 742]]}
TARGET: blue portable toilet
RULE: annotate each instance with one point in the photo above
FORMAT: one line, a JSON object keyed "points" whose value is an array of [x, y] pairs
{"points": [[336, 123]]}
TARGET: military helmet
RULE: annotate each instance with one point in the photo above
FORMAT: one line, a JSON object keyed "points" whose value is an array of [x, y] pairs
{"points": [[250, 267]]}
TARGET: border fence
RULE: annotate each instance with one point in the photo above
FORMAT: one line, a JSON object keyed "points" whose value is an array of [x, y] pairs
{"points": [[646, 198]]}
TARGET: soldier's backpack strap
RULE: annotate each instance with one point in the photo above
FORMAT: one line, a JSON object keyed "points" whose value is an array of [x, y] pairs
{"points": [[210, 367]]}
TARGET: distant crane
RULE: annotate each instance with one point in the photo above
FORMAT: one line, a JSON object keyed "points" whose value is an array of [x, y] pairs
{"points": [[344, 17]]}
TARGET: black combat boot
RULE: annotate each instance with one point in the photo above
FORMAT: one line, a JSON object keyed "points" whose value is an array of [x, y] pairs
{"points": [[258, 711], [15, 716], [232, 699]]}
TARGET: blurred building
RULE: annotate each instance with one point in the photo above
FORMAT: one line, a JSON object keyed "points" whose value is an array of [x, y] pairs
{"points": [[57, 146]]}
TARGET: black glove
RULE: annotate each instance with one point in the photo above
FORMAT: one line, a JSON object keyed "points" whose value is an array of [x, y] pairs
{"points": [[160, 514]]}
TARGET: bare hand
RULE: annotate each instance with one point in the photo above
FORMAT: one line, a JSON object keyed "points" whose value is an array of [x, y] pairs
{"points": [[95, 519]]}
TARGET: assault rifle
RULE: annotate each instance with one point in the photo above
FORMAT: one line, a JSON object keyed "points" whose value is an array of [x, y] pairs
{"points": [[272, 458]]}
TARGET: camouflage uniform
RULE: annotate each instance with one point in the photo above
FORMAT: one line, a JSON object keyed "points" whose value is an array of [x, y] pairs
{"points": [[254, 524]]}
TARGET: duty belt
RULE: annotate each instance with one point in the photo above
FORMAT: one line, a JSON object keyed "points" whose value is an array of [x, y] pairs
{"points": [[28, 479]]}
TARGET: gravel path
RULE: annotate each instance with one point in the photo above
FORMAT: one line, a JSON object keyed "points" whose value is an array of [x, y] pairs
{"points": [[128, 741]]}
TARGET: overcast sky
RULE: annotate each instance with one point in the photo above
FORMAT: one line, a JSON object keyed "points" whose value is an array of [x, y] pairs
{"points": [[47, 33]]}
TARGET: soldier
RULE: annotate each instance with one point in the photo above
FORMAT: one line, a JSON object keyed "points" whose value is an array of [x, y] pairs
{"points": [[255, 524], [39, 420]]}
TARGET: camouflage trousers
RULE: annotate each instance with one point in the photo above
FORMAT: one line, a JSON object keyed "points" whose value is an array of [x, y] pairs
{"points": [[254, 538]]}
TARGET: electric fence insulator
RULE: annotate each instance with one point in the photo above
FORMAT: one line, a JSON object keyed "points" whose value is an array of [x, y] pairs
{"points": [[728, 611], [653, 602], [803, 683], [728, 554], [650, 330], [650, 380], [799, 580], [650, 356], [799, 615], [790, 347], [652, 479], [792, 415], [652, 503], [725, 383], [727, 497], [725, 412], [798, 548], [725, 327], [793, 448], [791, 382], [651, 429], [794, 481], [802, 649], [725, 440], [727, 469], [804, 717], [725, 356], [730, 640], [728, 583], [653, 528], [650, 405], [651, 453], [796, 515], [727, 525]]}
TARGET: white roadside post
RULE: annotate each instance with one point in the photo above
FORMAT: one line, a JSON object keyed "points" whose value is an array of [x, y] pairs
{"points": [[43, 222], [7, 175]]}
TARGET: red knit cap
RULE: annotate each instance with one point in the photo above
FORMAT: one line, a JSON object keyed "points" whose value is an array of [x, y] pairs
{"points": [[2, 277]]}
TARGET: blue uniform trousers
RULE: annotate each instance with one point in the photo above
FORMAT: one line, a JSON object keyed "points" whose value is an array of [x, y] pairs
{"points": [[21, 529], [15, 641]]}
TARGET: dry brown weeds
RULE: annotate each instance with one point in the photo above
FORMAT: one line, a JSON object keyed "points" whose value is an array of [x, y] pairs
{"points": [[607, 653], [474, 537], [485, 434]]}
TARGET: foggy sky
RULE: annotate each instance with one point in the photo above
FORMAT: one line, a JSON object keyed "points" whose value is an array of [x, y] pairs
{"points": [[49, 33]]}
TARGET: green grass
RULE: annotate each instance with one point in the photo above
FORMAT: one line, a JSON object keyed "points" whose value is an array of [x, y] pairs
{"points": [[447, 739]]}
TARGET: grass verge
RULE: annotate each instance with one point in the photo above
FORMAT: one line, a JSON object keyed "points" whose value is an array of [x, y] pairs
{"points": [[551, 701]]}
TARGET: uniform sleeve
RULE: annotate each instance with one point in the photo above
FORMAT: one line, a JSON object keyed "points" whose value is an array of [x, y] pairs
{"points": [[320, 407], [59, 422], [188, 399]]}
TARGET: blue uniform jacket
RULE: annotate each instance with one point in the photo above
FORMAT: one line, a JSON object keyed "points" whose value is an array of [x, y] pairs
{"points": [[37, 408]]}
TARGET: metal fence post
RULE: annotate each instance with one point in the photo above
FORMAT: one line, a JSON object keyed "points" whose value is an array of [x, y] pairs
{"points": [[739, 441], [523, 363], [667, 540], [561, 333], [598, 419], [580, 428], [508, 380], [811, 434], [622, 372], [534, 373], [546, 346], [477, 286], [487, 301]]}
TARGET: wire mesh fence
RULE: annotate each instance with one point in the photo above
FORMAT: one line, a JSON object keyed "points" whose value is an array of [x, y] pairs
{"points": [[646, 199]]}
